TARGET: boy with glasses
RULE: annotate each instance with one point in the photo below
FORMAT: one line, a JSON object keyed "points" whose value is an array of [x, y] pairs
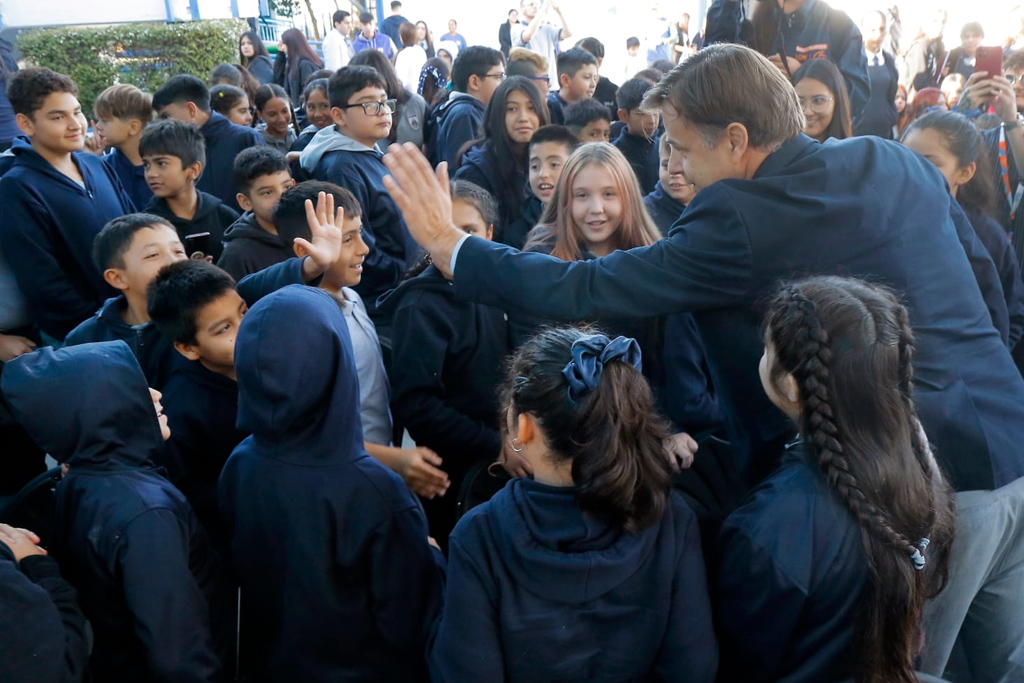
{"points": [[346, 154], [476, 74]]}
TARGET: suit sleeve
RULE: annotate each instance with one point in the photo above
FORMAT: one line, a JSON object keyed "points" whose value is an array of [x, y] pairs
{"points": [[689, 651], [984, 270], [254, 287], [26, 236], [467, 648], [422, 336], [44, 631], [705, 262], [852, 62], [406, 580], [171, 614], [757, 608]]}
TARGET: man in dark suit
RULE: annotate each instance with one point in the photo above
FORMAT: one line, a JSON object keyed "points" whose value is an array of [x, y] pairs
{"points": [[773, 204]]}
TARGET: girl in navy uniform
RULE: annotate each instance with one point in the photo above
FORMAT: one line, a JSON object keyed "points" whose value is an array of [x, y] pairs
{"points": [[824, 572], [592, 569]]}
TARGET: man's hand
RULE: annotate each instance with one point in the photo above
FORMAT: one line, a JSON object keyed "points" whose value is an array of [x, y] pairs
{"points": [[325, 226], [420, 468], [21, 542], [425, 201], [680, 449], [12, 346]]}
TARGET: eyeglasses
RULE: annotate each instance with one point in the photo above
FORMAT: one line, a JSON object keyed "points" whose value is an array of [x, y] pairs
{"points": [[1014, 79], [374, 108], [500, 76], [546, 79], [817, 104]]}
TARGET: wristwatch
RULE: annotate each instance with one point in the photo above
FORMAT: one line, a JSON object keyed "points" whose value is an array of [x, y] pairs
{"points": [[1015, 124]]}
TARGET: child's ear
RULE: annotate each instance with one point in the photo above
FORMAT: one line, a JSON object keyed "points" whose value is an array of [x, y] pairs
{"points": [[135, 127], [965, 173], [190, 351], [490, 233], [115, 278], [623, 115], [243, 201], [195, 170], [564, 80], [25, 124]]}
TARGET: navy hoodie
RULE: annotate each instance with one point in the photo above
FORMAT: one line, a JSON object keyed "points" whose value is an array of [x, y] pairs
{"points": [[329, 545], [248, 248], [49, 221], [556, 108], [792, 571], [447, 366], [211, 216], [642, 155], [539, 591], [43, 630], [457, 121], [999, 247], [480, 167], [155, 353], [133, 178], [224, 140], [124, 536], [337, 158], [201, 408], [514, 234]]}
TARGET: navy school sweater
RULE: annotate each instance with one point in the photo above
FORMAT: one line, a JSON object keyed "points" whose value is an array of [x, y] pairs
{"points": [[201, 408], [663, 208], [224, 140], [155, 353], [556, 108], [457, 121], [792, 571], [211, 216], [44, 632], [480, 167], [47, 227], [248, 248], [514, 234], [337, 158], [642, 155], [133, 178], [539, 591], [329, 545], [447, 368], [999, 247], [124, 536]]}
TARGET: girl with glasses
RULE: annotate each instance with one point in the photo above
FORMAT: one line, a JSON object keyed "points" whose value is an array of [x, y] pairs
{"points": [[823, 97]]}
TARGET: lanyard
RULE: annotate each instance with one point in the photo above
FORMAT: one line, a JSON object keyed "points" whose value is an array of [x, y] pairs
{"points": [[1004, 170]]}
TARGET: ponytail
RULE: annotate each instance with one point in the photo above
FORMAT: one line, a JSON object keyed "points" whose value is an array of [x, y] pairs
{"points": [[595, 409], [849, 347]]}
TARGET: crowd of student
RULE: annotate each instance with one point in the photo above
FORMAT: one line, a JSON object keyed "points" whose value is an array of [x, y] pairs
{"points": [[297, 446]]}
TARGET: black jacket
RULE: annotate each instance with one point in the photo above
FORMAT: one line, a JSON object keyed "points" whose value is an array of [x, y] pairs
{"points": [[248, 248], [642, 155], [211, 216], [605, 94], [125, 537], [329, 545], [41, 625], [446, 370], [201, 408]]}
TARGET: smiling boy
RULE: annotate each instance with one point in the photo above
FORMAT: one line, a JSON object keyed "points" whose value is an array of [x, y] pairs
{"points": [[577, 80], [55, 201], [346, 154]]}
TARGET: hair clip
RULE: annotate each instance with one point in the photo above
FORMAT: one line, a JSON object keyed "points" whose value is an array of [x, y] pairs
{"points": [[916, 556]]}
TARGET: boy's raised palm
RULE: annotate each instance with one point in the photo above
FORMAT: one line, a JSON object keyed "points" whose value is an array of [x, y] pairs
{"points": [[325, 228]]}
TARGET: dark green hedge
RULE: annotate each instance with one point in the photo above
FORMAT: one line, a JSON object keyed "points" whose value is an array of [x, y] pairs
{"points": [[143, 54]]}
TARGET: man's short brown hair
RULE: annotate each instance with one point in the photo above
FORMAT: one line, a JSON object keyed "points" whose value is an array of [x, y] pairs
{"points": [[522, 54], [725, 84], [125, 102]]}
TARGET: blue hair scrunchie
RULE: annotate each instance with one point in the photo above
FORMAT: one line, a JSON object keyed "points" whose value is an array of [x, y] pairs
{"points": [[589, 356]]}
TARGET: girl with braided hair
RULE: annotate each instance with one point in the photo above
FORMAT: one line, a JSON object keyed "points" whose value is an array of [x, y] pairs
{"points": [[591, 570], [824, 571]]}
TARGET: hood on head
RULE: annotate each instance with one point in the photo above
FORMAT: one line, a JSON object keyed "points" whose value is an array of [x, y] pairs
{"points": [[326, 140], [88, 405], [563, 555], [297, 388]]}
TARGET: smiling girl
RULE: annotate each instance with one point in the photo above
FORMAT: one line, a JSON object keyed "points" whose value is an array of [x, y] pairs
{"points": [[275, 110], [498, 162], [822, 93]]}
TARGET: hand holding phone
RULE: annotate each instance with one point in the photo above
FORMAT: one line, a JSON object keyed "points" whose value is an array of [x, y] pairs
{"points": [[989, 60], [197, 245]]}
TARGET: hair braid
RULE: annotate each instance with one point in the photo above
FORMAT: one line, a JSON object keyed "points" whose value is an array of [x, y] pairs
{"points": [[812, 376]]}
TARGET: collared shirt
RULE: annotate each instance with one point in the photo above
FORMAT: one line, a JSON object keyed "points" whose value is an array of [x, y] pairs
{"points": [[374, 394]]}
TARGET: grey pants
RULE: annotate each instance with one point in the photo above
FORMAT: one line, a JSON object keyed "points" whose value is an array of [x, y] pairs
{"points": [[981, 610]]}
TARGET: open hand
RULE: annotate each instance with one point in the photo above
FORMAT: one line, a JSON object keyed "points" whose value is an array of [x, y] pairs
{"points": [[325, 226], [423, 197], [680, 449], [420, 468], [21, 542]]}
